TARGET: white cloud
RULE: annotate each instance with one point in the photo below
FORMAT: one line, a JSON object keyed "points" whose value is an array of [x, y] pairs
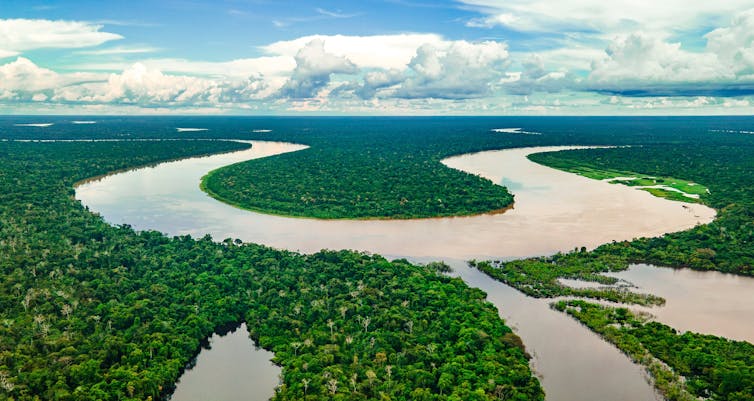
{"points": [[19, 35], [119, 51], [639, 64], [617, 16], [273, 71], [455, 70], [378, 51], [643, 40], [734, 44], [22, 80], [314, 68], [377, 80], [736, 103], [268, 66], [573, 57], [536, 78], [23, 75], [642, 59], [141, 85], [7, 53]]}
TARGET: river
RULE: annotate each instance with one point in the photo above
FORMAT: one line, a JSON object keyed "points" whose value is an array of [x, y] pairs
{"points": [[553, 211], [230, 369]]}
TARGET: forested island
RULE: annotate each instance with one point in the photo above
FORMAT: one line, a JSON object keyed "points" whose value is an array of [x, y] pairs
{"points": [[96, 312]]}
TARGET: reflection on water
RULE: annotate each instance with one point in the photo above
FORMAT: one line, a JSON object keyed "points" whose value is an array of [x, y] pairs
{"points": [[704, 302], [554, 211], [233, 369]]}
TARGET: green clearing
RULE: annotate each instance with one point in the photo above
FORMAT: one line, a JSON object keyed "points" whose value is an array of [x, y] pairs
{"points": [[633, 179]]}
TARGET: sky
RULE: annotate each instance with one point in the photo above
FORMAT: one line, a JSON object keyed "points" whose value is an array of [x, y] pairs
{"points": [[377, 57]]}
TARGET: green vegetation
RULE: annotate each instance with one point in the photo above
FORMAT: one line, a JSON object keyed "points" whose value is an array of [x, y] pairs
{"points": [[367, 169], [537, 278], [96, 312], [91, 311], [684, 365], [726, 244], [377, 184], [643, 182]]}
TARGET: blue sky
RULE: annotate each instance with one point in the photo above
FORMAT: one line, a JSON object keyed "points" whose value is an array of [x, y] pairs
{"points": [[500, 57]]}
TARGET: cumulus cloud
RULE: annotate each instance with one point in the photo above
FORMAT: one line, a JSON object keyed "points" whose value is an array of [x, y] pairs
{"points": [[23, 75], [314, 68], [641, 65], [734, 44], [378, 80], [456, 70], [534, 77], [376, 51], [23, 81], [639, 58], [140, 85], [638, 63], [272, 66], [19, 35]]}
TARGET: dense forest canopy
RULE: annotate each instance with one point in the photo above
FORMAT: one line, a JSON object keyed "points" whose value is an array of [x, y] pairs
{"points": [[381, 167], [713, 368], [92, 311], [726, 244], [96, 312]]}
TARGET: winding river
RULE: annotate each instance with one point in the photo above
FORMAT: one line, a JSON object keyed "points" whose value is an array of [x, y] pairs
{"points": [[554, 211]]}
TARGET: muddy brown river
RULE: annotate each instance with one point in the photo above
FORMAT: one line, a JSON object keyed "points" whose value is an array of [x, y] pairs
{"points": [[553, 211]]}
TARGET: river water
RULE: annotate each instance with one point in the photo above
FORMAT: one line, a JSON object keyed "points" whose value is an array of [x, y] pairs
{"points": [[554, 211], [704, 302], [230, 369]]}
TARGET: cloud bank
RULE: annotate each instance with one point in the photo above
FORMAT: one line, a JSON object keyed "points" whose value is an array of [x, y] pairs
{"points": [[624, 55]]}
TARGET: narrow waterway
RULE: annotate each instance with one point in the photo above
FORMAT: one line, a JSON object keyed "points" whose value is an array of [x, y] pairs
{"points": [[700, 301], [232, 368], [554, 211]]}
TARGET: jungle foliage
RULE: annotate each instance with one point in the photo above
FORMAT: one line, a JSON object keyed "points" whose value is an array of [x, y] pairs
{"points": [[712, 368], [95, 312], [539, 277], [98, 312], [726, 244]]}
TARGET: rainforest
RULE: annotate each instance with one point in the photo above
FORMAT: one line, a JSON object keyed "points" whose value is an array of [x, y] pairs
{"points": [[100, 309]]}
